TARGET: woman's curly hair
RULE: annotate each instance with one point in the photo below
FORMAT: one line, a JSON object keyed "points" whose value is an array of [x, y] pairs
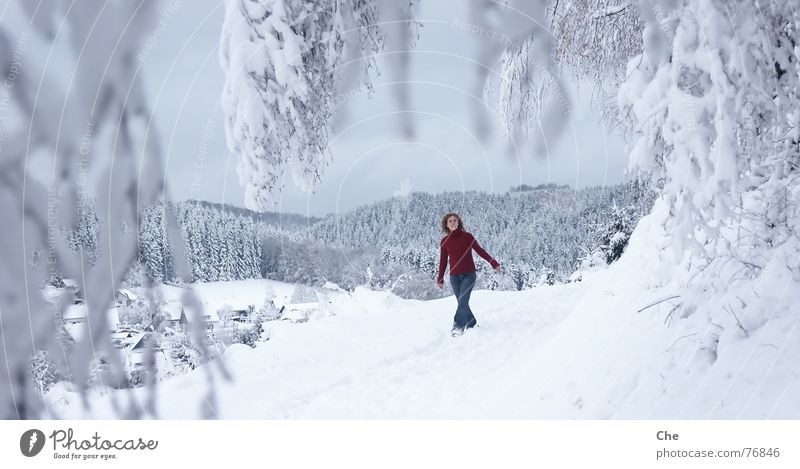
{"points": [[446, 230]]}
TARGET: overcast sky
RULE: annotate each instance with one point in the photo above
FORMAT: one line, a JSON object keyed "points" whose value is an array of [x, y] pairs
{"points": [[371, 158]]}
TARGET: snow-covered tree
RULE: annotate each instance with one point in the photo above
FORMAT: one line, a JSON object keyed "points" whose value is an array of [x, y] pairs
{"points": [[532, 93], [84, 236], [710, 96], [303, 294], [154, 250], [598, 46], [282, 59], [713, 100]]}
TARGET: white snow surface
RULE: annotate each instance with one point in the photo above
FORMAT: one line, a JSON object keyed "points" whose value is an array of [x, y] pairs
{"points": [[581, 350]]}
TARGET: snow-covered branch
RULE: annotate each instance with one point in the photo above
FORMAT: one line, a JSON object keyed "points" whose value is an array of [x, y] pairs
{"points": [[282, 60], [97, 128]]}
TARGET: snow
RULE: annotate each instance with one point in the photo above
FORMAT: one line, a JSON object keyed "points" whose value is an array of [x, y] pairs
{"points": [[591, 349], [234, 294]]}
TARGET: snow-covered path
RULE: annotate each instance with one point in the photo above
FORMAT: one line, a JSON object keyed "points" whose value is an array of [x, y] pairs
{"points": [[379, 356], [383, 357], [477, 375]]}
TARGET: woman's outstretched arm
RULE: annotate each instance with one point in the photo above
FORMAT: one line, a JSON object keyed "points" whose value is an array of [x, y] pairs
{"points": [[482, 252]]}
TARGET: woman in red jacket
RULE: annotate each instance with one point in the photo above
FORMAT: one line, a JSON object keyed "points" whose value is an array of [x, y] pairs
{"points": [[457, 245]]}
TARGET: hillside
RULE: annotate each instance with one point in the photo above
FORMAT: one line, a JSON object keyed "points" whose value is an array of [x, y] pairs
{"points": [[540, 234]]}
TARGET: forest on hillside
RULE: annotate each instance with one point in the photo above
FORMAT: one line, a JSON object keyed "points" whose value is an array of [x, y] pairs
{"points": [[541, 235]]}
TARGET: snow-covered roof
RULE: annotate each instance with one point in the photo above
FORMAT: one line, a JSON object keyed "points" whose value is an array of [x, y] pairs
{"points": [[77, 330], [136, 341], [79, 312], [210, 315], [237, 312], [173, 309], [74, 312], [51, 293], [172, 293], [126, 338], [128, 292], [140, 340]]}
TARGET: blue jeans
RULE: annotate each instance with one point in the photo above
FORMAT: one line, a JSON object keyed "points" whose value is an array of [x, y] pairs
{"points": [[462, 287]]}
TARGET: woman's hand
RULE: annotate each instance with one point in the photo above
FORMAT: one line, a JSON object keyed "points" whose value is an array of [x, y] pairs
{"points": [[440, 284], [497, 269]]}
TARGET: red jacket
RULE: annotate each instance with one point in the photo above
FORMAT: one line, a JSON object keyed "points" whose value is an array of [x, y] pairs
{"points": [[458, 246]]}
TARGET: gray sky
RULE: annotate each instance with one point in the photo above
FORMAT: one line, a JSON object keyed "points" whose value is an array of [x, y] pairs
{"points": [[371, 159]]}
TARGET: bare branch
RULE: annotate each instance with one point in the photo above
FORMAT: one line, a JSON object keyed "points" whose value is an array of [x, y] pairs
{"points": [[738, 323], [658, 302]]}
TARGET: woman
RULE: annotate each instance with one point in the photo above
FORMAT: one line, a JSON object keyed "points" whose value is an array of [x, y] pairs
{"points": [[457, 245]]}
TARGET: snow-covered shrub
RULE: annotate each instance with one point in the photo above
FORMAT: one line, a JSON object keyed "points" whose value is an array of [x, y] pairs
{"points": [[522, 276], [594, 260], [491, 280], [184, 354], [247, 333], [234, 332], [415, 286], [103, 375], [234, 329], [44, 372], [303, 294], [138, 378], [138, 315], [546, 276]]}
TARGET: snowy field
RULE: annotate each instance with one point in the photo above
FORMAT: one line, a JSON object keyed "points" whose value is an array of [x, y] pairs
{"points": [[579, 350], [237, 294]]}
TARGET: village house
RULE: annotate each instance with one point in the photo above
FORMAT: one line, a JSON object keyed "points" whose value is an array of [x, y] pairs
{"points": [[135, 347], [178, 317], [125, 297], [78, 314]]}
